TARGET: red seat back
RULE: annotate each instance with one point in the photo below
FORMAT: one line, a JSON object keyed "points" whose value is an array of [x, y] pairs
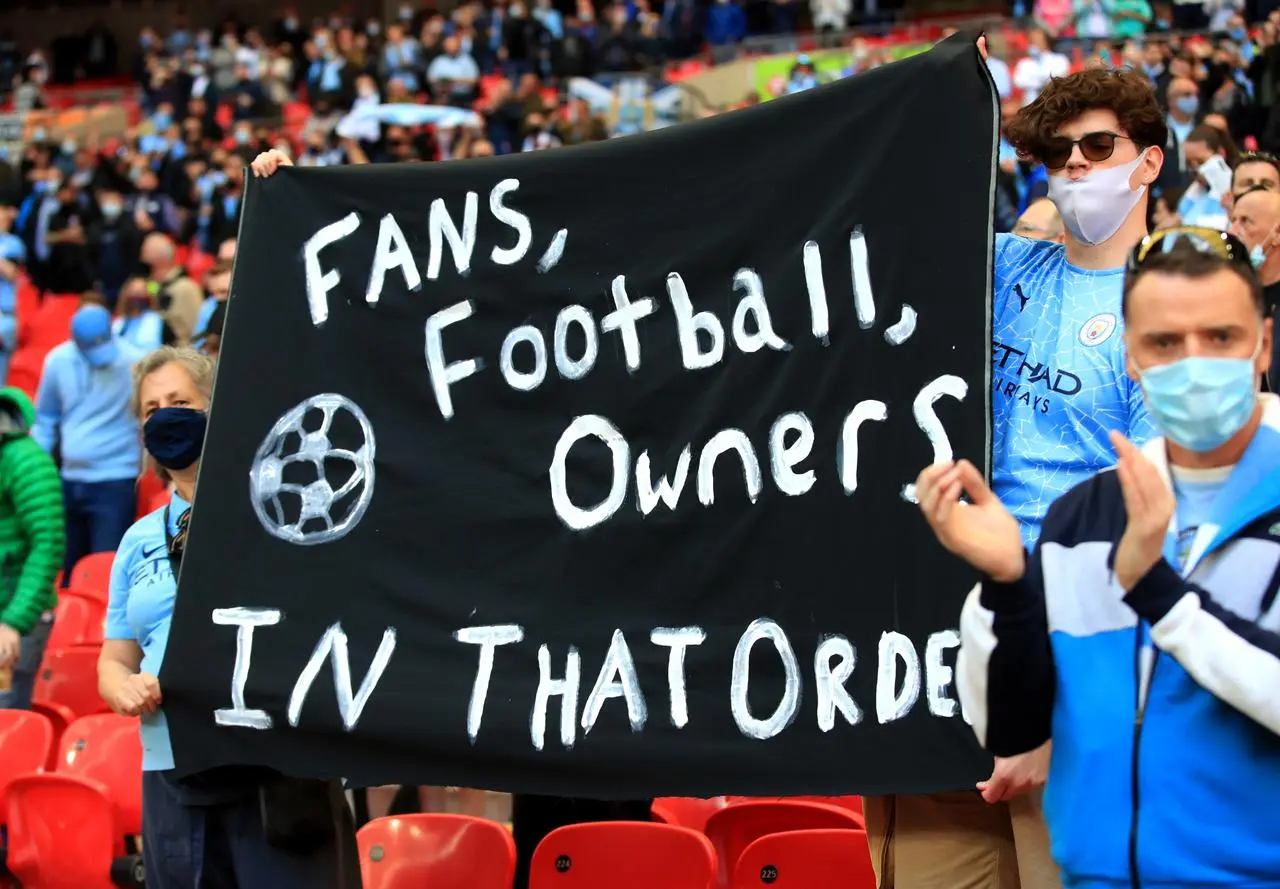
{"points": [[150, 491], [62, 833], [687, 811], [623, 855], [59, 718], [733, 829], [807, 859], [69, 676], [106, 749], [78, 620], [440, 851], [849, 803], [25, 740], [92, 574]]}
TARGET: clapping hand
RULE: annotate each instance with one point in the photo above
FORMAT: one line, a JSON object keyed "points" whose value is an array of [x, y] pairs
{"points": [[1149, 504], [982, 532]]}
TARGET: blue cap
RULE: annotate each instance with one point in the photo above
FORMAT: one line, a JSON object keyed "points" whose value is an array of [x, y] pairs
{"points": [[91, 330]]}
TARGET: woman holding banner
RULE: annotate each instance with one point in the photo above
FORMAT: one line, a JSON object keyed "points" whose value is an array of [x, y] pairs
{"points": [[235, 826]]}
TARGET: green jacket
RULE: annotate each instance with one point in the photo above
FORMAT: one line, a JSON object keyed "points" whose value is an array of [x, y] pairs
{"points": [[32, 530]]}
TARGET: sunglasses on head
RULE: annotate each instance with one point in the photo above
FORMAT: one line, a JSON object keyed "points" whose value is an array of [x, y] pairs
{"points": [[1202, 239], [1095, 147], [1263, 157]]}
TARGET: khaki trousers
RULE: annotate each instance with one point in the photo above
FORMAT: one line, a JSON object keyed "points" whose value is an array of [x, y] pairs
{"points": [[959, 841]]}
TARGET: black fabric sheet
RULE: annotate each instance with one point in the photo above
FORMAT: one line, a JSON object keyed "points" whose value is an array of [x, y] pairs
{"points": [[380, 407]]}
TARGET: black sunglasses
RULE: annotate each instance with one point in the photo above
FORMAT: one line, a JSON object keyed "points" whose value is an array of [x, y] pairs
{"points": [[1096, 147], [1210, 241]]}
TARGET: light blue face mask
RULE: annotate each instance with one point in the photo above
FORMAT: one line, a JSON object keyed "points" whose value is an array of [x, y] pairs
{"points": [[1200, 403], [1257, 257]]}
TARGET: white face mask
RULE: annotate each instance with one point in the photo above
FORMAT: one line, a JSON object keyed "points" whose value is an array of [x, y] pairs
{"points": [[1094, 206]]}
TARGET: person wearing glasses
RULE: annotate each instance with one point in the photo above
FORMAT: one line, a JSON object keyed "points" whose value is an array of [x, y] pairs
{"points": [[1058, 388], [1143, 629]]}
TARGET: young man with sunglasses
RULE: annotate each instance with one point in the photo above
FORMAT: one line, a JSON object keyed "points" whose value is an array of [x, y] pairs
{"points": [[1143, 629], [1059, 388]]}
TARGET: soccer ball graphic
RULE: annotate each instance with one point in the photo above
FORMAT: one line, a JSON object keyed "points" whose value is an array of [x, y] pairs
{"points": [[304, 489]]}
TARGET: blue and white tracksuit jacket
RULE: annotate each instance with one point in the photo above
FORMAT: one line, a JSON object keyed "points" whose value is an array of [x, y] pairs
{"points": [[1163, 703]]}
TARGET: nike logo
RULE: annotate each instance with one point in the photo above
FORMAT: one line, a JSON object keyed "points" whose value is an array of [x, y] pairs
{"points": [[1017, 288], [153, 552]]}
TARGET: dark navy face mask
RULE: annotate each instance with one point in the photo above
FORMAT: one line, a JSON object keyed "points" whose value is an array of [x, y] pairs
{"points": [[174, 436]]}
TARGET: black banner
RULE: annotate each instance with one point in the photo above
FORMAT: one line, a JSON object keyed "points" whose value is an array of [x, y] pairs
{"points": [[586, 472]]}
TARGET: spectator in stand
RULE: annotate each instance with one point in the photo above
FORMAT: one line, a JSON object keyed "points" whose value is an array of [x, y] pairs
{"points": [[117, 242], [226, 251], [32, 547], [726, 27], [1034, 71], [70, 269], [176, 296], [1255, 220], [138, 323], [402, 58], [151, 208], [13, 253], [209, 342], [223, 208], [217, 286], [1202, 202], [1255, 170], [205, 829], [453, 75], [1184, 108], [82, 415]]}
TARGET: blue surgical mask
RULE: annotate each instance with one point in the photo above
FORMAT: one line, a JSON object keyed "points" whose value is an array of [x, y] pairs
{"points": [[1200, 403], [1188, 105], [111, 212], [1257, 257], [162, 120], [174, 436]]}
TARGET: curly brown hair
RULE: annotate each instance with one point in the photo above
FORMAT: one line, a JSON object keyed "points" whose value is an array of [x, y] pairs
{"points": [[1125, 92]]}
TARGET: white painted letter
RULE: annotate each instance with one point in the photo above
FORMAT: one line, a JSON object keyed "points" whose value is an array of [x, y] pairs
{"points": [[568, 367], [623, 319], [763, 729], [244, 620], [488, 638], [566, 688], [847, 449], [689, 323], [581, 427], [783, 457], [524, 381], [617, 663], [725, 440], [513, 218], [669, 492], [817, 288], [753, 303], [320, 282], [891, 703], [678, 639], [864, 303], [937, 674], [333, 645], [462, 243], [832, 694], [444, 375], [927, 420], [392, 252]]}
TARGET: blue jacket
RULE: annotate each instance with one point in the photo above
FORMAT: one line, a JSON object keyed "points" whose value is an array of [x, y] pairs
{"points": [[1162, 703], [84, 413]]}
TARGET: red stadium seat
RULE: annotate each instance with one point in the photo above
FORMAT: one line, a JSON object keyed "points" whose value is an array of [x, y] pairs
{"points": [[59, 718], [69, 676], [440, 851], [850, 803], [623, 855], [687, 811], [78, 619], [52, 323], [150, 491], [807, 859], [733, 829], [106, 749], [92, 574], [25, 740], [62, 833]]}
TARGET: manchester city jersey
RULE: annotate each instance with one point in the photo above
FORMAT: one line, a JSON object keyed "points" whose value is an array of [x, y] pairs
{"points": [[1057, 377]]}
